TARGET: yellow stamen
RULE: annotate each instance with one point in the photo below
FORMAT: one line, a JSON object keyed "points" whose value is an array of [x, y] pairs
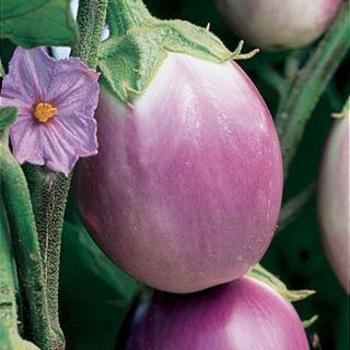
{"points": [[44, 111]]}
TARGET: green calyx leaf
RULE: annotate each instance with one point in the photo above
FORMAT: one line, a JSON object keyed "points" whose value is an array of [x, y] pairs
{"points": [[261, 274], [131, 61], [7, 116], [38, 23], [308, 323], [345, 111], [140, 43]]}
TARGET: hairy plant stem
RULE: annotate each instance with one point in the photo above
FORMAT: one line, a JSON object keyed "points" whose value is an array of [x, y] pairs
{"points": [[91, 19], [48, 193], [311, 81], [49, 190]]}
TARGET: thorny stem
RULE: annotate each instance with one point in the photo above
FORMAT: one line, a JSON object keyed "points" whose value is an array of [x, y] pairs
{"points": [[310, 84], [49, 190]]}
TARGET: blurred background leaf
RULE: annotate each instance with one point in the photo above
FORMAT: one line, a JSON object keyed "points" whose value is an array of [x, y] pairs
{"points": [[38, 23], [95, 296]]}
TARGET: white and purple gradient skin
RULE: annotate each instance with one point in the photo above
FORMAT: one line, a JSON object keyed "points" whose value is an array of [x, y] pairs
{"points": [[334, 201], [242, 315], [276, 24], [186, 189]]}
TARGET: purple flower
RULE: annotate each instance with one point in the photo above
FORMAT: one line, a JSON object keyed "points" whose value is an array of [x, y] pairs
{"points": [[56, 100]]}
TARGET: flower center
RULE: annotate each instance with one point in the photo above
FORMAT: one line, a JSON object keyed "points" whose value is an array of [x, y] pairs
{"points": [[44, 111]]}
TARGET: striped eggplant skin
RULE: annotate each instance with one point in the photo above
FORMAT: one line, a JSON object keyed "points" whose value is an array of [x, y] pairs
{"points": [[278, 25], [333, 200], [185, 191], [242, 315]]}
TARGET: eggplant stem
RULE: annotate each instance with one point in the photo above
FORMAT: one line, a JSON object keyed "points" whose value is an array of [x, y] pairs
{"points": [[49, 190], [309, 85]]}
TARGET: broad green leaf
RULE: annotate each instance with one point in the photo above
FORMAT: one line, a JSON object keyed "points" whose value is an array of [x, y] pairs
{"points": [[38, 23]]}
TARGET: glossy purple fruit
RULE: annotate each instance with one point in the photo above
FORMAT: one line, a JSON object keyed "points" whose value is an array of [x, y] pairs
{"points": [[276, 24], [186, 189], [242, 315], [334, 200]]}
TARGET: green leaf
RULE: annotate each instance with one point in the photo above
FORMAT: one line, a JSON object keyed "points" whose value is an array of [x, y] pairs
{"points": [[9, 334], [15, 194], [38, 23], [7, 116], [95, 295]]}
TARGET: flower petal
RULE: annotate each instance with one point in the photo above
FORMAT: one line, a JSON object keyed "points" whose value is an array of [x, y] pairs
{"points": [[30, 75], [22, 107], [26, 141], [72, 88], [60, 155], [80, 132], [75, 90]]}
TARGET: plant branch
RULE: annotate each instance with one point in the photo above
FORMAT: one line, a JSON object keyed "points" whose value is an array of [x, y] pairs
{"points": [[49, 190], [91, 19], [310, 84]]}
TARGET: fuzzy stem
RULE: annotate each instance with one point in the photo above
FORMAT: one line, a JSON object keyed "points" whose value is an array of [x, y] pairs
{"points": [[125, 14], [49, 190], [91, 19], [312, 81]]}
